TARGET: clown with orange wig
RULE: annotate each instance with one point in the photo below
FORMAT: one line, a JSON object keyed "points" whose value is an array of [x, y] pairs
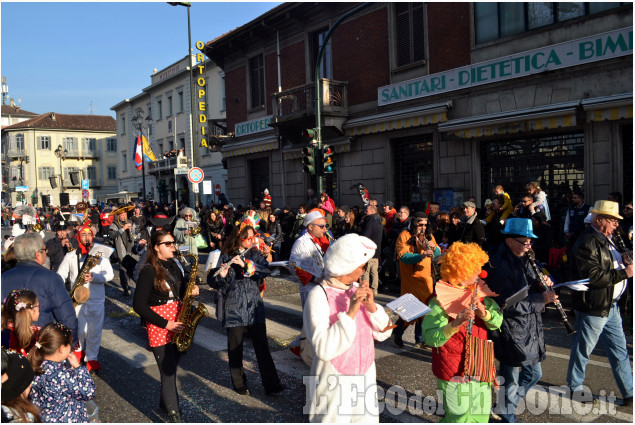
{"points": [[90, 315], [462, 312]]}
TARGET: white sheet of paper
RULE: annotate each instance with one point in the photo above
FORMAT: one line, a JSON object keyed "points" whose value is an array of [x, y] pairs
{"points": [[212, 260], [105, 250], [408, 307]]}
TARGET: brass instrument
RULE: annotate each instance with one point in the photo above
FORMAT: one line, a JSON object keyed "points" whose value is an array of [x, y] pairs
{"points": [[531, 256], [622, 248], [80, 293], [187, 316], [37, 227]]}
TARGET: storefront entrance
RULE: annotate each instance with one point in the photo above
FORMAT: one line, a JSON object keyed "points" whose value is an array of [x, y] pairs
{"points": [[414, 177], [555, 162]]}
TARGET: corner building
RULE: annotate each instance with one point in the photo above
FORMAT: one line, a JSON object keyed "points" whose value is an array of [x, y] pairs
{"points": [[421, 97]]}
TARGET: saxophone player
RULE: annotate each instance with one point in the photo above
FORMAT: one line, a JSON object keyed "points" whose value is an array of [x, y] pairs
{"points": [[120, 235], [90, 315], [160, 289]]}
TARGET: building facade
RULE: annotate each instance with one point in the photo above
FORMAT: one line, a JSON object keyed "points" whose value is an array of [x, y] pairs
{"points": [[424, 99], [167, 102], [47, 157], [12, 114]]}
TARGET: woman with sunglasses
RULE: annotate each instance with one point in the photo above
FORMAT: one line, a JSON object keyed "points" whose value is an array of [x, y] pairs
{"points": [[157, 300], [242, 270], [183, 230]]}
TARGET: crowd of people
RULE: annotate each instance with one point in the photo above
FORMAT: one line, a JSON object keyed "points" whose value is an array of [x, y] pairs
{"points": [[470, 265]]}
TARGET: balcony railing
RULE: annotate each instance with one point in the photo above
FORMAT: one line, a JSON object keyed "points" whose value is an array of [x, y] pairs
{"points": [[299, 101], [167, 164], [16, 153], [90, 154]]}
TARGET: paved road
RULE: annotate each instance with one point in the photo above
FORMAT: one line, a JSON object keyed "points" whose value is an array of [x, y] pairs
{"points": [[128, 387]]}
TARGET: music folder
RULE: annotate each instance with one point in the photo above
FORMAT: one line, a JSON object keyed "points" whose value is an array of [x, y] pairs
{"points": [[212, 260], [517, 297], [408, 307]]}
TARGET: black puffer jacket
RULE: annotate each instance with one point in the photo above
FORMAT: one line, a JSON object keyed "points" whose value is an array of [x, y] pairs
{"points": [[591, 258], [520, 340], [243, 304]]}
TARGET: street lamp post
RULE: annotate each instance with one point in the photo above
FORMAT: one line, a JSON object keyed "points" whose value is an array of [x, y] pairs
{"points": [[189, 58], [61, 153], [137, 122]]}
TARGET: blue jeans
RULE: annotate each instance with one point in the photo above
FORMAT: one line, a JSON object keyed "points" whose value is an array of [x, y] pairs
{"points": [[608, 330], [518, 381]]}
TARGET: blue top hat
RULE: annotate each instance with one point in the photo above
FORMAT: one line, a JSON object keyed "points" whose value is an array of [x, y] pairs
{"points": [[519, 227]]}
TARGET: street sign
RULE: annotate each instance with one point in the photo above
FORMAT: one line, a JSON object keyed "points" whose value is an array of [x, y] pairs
{"points": [[207, 187], [195, 187], [195, 175], [217, 189], [178, 171], [85, 193], [85, 186], [21, 188]]}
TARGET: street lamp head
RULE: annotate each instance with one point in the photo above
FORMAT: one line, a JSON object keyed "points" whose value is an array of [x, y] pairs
{"points": [[180, 3], [148, 121]]}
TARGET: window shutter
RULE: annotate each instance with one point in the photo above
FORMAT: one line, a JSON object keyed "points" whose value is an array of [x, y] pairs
{"points": [[403, 35], [417, 33]]}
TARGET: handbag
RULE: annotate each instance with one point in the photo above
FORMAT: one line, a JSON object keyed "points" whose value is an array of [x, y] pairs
{"points": [[200, 241]]}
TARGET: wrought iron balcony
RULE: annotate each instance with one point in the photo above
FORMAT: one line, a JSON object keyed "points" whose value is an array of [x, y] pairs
{"points": [[90, 154], [16, 153], [299, 101], [168, 164]]}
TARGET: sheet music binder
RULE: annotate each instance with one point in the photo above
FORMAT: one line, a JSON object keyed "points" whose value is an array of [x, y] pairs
{"points": [[517, 297], [408, 307]]}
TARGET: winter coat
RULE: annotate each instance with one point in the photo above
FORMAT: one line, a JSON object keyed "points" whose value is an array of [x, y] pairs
{"points": [[472, 230], [520, 340], [274, 229], [372, 228], [241, 289], [591, 258], [55, 303]]}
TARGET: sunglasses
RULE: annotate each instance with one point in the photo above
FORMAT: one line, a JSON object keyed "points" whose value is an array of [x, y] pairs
{"points": [[323, 226], [528, 243], [166, 243]]}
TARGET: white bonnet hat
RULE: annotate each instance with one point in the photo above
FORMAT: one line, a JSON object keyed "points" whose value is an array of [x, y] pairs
{"points": [[311, 217], [348, 253]]}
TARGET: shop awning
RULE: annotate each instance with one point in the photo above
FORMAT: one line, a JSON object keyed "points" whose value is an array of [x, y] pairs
{"points": [[262, 144], [398, 120], [341, 144], [548, 117], [616, 107]]}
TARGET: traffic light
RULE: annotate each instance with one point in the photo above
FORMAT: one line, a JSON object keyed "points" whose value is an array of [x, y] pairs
{"points": [[328, 161], [27, 159], [310, 134], [308, 159]]}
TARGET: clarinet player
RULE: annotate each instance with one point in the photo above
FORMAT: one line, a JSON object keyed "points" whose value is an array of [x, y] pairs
{"points": [[161, 286], [596, 256], [519, 345]]}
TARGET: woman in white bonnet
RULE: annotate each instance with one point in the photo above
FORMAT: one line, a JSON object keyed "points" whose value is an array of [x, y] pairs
{"points": [[343, 340]]}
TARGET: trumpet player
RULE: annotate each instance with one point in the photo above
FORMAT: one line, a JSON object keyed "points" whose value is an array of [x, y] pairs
{"points": [[595, 255], [59, 246], [90, 315], [122, 238], [183, 230]]}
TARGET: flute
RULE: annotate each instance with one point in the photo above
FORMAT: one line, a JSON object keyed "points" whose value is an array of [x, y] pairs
{"points": [[532, 260], [229, 263], [622, 248]]}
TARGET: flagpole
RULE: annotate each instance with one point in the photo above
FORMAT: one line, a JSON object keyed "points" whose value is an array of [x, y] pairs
{"points": [[143, 166]]}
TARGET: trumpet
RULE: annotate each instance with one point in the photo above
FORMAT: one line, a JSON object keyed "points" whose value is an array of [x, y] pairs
{"points": [[37, 227]]}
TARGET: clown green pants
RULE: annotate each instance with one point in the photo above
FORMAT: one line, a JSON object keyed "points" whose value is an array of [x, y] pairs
{"points": [[468, 402]]}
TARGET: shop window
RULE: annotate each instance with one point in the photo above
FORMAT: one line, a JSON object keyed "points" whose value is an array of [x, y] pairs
{"points": [[258, 177], [627, 166], [414, 172], [409, 33], [555, 162]]}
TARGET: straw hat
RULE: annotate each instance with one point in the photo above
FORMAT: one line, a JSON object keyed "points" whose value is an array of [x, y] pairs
{"points": [[609, 208]]}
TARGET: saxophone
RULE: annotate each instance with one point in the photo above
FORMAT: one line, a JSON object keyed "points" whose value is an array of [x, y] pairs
{"points": [[80, 293], [187, 316]]}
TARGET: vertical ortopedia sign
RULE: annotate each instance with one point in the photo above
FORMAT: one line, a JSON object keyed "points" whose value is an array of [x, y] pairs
{"points": [[200, 93]]}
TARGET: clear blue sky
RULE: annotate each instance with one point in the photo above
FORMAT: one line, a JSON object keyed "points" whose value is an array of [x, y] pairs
{"points": [[60, 57]]}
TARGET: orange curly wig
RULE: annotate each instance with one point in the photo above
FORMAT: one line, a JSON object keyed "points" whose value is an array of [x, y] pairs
{"points": [[462, 262]]}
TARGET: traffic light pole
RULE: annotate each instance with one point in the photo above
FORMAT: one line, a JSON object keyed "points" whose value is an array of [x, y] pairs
{"points": [[319, 174]]}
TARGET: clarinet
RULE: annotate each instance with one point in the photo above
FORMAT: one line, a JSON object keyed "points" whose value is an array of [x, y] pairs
{"points": [[531, 256], [622, 248]]}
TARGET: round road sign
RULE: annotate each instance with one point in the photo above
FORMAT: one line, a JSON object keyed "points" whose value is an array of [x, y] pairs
{"points": [[195, 175], [85, 193], [217, 189]]}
